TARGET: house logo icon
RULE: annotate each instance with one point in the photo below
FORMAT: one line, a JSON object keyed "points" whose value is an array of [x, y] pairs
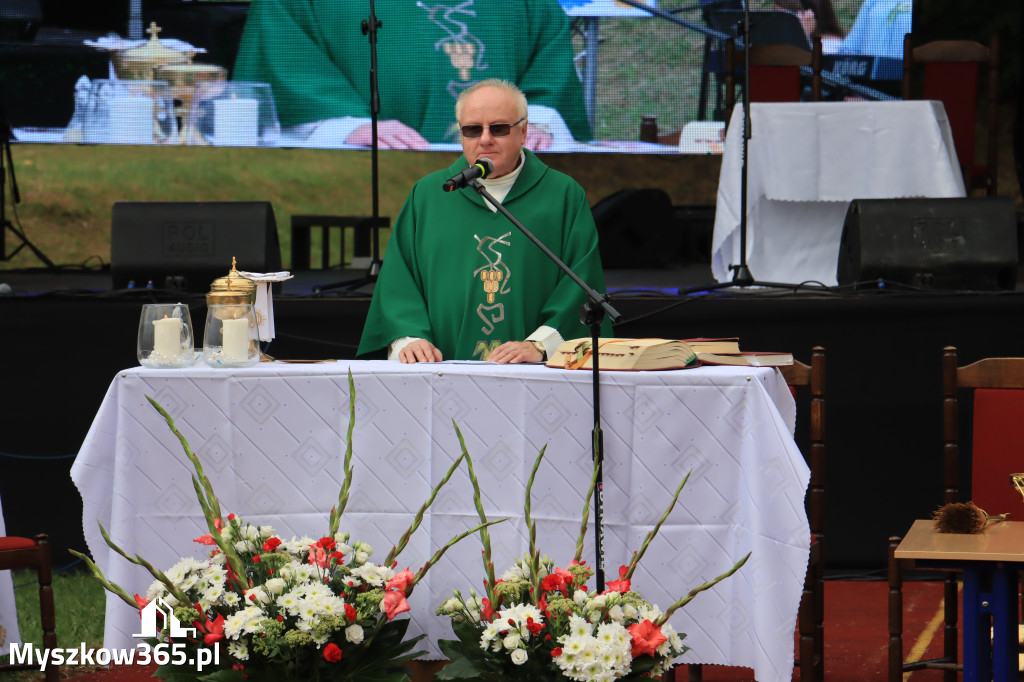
{"points": [[149, 625]]}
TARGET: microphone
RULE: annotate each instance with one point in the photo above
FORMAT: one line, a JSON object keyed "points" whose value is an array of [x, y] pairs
{"points": [[481, 169]]}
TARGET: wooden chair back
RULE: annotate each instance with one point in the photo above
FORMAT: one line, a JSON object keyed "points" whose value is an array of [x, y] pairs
{"points": [[998, 432], [775, 73], [952, 73], [24, 553]]}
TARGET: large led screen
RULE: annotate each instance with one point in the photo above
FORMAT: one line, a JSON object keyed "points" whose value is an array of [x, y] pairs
{"points": [[600, 75]]}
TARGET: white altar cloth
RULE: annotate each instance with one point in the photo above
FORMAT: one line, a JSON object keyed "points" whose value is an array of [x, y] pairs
{"points": [[807, 162], [272, 440]]}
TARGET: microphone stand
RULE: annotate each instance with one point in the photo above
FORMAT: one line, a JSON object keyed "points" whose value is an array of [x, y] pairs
{"points": [[369, 27], [5, 224], [592, 314]]}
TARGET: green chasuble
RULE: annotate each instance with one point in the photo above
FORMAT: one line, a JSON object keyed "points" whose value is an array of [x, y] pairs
{"points": [[316, 59], [466, 279]]}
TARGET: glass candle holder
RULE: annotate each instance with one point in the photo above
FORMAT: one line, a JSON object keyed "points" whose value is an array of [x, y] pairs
{"points": [[165, 336], [129, 112], [230, 339], [235, 114]]}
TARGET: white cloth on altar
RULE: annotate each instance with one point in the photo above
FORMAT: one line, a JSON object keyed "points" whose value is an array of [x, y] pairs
{"points": [[806, 162], [272, 440], [9, 633]]}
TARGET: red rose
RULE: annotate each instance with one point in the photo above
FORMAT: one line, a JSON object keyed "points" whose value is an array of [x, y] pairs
{"points": [[332, 653], [647, 638]]}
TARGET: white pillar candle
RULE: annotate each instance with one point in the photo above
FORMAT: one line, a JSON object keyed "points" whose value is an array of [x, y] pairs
{"points": [[235, 122], [236, 339], [131, 119], [167, 337]]}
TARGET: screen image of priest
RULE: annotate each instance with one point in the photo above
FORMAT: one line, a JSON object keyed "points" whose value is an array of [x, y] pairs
{"points": [[593, 70]]}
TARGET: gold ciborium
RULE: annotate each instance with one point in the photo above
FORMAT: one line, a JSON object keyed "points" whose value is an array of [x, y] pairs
{"points": [[140, 63], [232, 289], [183, 80]]}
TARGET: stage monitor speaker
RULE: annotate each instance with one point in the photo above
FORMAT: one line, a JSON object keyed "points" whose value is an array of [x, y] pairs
{"points": [[966, 244], [187, 245]]}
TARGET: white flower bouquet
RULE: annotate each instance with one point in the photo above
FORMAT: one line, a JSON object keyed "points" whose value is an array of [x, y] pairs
{"points": [[263, 608]]}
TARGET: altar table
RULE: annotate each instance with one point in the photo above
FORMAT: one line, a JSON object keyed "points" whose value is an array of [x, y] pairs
{"points": [[272, 441], [806, 162]]}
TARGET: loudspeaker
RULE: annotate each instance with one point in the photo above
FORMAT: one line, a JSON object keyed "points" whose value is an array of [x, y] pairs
{"points": [[636, 228], [192, 243], [968, 243]]}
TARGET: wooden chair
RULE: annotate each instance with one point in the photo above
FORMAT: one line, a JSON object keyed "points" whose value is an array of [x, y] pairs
{"points": [[18, 553], [952, 71], [992, 463], [810, 659], [775, 73]]}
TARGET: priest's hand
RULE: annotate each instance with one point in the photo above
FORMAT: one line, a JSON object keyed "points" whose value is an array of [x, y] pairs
{"points": [[537, 140], [516, 351], [419, 350], [390, 135]]}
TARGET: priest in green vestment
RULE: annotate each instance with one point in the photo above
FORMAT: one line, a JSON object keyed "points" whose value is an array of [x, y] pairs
{"points": [[459, 280], [317, 61]]}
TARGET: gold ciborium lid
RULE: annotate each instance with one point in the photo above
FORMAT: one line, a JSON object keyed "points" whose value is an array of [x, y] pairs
{"points": [[140, 63], [232, 289]]}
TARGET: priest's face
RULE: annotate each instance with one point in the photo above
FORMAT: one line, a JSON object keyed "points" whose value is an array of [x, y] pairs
{"points": [[486, 107]]}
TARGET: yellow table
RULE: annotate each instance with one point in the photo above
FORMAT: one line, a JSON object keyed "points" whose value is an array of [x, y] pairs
{"points": [[990, 562]]}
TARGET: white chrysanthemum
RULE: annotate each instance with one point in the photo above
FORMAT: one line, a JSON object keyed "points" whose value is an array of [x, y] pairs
{"points": [[489, 635], [574, 644], [519, 656], [330, 606], [242, 621], [213, 593], [373, 574], [578, 626], [231, 599], [354, 634], [297, 546], [289, 601], [648, 612], [156, 589], [239, 650]]}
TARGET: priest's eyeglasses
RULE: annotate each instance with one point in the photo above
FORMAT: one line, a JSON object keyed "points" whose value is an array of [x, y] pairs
{"points": [[497, 129]]}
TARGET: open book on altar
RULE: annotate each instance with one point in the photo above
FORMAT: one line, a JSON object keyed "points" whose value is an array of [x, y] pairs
{"points": [[654, 354], [625, 354]]}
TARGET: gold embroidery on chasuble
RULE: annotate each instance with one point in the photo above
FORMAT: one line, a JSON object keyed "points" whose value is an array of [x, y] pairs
{"points": [[465, 51], [494, 279]]}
